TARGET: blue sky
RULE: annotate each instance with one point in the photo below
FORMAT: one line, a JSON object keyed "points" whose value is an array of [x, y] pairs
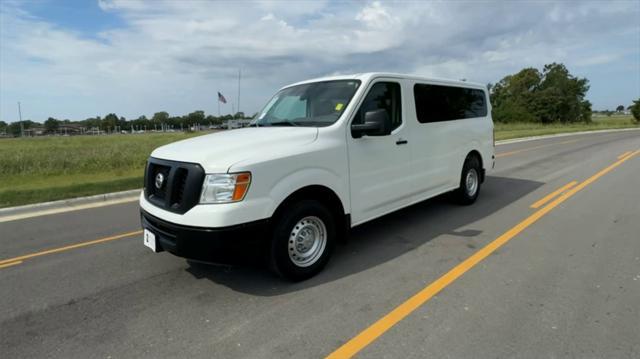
{"points": [[86, 18], [76, 59]]}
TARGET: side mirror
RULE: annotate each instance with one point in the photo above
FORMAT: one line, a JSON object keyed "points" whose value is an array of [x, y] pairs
{"points": [[376, 123]]}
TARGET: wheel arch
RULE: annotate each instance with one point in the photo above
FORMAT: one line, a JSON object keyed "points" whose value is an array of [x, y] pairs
{"points": [[322, 194], [476, 153]]}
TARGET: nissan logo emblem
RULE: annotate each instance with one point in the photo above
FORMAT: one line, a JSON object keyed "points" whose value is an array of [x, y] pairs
{"points": [[159, 180]]}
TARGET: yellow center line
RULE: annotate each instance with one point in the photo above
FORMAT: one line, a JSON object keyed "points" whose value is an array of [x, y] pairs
{"points": [[553, 194], [368, 335], [505, 154], [10, 264], [66, 248], [624, 155]]}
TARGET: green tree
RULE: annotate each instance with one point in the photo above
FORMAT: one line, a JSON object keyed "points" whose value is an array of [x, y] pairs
{"points": [[122, 123], [620, 108], [51, 125], [14, 129], [513, 96], [635, 110], [560, 96], [195, 117], [3, 127], [110, 121], [553, 95], [210, 119], [92, 122], [175, 122], [141, 123], [160, 117], [586, 111]]}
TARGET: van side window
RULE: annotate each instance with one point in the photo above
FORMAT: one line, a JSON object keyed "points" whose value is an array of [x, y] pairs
{"points": [[435, 103], [383, 95]]}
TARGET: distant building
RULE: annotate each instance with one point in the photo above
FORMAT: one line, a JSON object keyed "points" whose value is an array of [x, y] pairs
{"points": [[35, 131], [71, 129], [63, 129], [231, 124]]}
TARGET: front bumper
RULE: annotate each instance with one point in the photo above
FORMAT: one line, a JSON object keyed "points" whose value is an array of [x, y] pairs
{"points": [[214, 215], [232, 244]]}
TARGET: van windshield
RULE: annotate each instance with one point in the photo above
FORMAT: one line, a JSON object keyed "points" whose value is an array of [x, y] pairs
{"points": [[316, 104]]}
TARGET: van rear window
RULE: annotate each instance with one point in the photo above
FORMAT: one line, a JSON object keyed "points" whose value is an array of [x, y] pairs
{"points": [[436, 103]]}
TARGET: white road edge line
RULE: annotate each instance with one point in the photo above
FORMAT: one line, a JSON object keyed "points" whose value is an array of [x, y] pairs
{"points": [[66, 208]]}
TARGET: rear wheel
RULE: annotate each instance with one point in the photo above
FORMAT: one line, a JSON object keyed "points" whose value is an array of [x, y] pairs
{"points": [[303, 239], [470, 181]]}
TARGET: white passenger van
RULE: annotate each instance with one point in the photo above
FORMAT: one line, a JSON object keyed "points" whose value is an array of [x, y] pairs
{"points": [[323, 156]]}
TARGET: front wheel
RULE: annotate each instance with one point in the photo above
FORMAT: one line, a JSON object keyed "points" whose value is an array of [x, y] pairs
{"points": [[303, 239], [470, 181]]}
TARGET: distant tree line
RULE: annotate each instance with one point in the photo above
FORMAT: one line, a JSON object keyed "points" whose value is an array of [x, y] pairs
{"points": [[552, 95], [112, 122], [619, 110]]}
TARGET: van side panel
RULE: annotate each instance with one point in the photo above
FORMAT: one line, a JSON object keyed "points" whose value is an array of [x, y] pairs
{"points": [[379, 174], [429, 146], [440, 148]]}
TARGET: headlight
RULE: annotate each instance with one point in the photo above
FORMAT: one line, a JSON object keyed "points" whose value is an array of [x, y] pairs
{"points": [[225, 188]]}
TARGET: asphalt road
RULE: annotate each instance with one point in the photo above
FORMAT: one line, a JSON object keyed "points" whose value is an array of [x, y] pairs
{"points": [[564, 280]]}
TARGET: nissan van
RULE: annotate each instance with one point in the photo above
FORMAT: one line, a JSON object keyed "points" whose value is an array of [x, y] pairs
{"points": [[323, 156]]}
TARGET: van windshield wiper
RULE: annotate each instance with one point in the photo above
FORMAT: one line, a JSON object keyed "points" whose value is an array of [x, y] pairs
{"points": [[283, 123]]}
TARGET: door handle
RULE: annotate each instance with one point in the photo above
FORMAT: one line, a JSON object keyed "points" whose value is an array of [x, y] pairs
{"points": [[400, 141]]}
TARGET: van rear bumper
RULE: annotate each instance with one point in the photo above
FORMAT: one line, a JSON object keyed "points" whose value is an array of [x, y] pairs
{"points": [[233, 244]]}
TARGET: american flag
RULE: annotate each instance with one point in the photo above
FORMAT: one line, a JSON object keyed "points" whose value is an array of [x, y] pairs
{"points": [[221, 98]]}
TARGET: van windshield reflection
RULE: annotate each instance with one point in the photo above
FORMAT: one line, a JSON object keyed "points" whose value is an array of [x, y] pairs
{"points": [[315, 104]]}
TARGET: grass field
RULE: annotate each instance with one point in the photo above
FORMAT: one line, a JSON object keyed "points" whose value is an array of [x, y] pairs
{"points": [[51, 168], [505, 131]]}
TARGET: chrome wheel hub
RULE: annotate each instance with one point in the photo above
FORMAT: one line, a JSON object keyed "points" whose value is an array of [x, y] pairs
{"points": [[307, 241], [471, 182]]}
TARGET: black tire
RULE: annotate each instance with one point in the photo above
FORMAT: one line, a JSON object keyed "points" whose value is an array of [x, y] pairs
{"points": [[465, 194], [285, 237]]}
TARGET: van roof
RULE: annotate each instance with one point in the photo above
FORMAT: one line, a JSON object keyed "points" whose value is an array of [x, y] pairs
{"points": [[366, 76]]}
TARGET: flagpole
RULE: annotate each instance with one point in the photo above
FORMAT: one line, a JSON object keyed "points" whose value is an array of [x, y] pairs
{"points": [[238, 90], [218, 103]]}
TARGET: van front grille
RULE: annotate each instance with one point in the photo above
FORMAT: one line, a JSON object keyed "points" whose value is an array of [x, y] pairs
{"points": [[177, 189], [179, 184]]}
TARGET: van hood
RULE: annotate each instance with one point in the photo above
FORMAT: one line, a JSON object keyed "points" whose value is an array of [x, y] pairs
{"points": [[217, 152]]}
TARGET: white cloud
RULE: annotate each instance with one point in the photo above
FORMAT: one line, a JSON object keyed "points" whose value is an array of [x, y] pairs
{"points": [[376, 16], [175, 55]]}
